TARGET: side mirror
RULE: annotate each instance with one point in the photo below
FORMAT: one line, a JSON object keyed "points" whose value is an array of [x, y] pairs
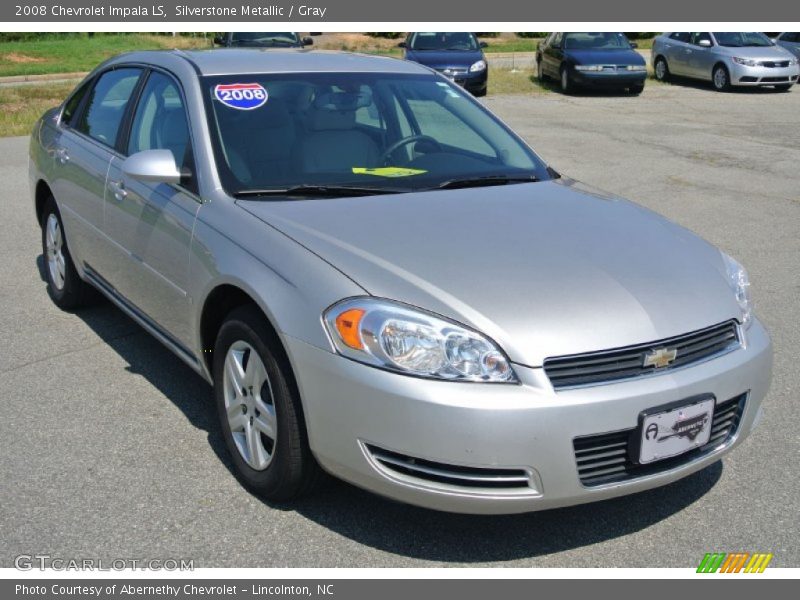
{"points": [[307, 41], [634, 45], [219, 40], [704, 43], [402, 45], [483, 45], [152, 166]]}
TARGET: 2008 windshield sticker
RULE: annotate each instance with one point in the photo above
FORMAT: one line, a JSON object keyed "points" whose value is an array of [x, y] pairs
{"points": [[241, 96]]}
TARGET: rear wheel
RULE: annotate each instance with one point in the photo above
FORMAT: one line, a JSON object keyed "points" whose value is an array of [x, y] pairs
{"points": [[721, 79], [661, 69], [64, 286], [259, 409]]}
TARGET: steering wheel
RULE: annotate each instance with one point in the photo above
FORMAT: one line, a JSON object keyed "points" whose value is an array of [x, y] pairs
{"points": [[404, 142]]}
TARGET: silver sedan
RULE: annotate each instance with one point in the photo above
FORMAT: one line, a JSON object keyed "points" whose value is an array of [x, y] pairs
{"points": [[726, 59], [383, 282]]}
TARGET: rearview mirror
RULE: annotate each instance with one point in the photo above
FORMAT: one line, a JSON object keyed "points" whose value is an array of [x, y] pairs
{"points": [[153, 166], [307, 41], [704, 43]]}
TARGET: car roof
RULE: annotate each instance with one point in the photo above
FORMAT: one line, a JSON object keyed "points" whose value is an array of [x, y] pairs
{"points": [[232, 61]]}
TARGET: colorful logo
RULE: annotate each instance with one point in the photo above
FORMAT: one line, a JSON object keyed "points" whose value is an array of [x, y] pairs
{"points": [[736, 562], [241, 96]]}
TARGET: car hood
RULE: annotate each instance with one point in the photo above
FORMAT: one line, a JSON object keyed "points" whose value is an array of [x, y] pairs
{"points": [[440, 60], [754, 53], [544, 269], [606, 57]]}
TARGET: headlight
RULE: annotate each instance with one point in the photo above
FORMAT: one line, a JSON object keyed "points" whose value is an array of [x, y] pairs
{"points": [[792, 62], [636, 68], [747, 62], [588, 67], [478, 66], [740, 284], [393, 336]]}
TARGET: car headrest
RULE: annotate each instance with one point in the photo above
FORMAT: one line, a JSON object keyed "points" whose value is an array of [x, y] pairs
{"points": [[343, 100], [327, 120]]}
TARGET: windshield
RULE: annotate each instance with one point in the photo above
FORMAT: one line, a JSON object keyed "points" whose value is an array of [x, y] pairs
{"points": [[268, 39], [738, 40], [379, 131], [596, 41], [443, 41]]}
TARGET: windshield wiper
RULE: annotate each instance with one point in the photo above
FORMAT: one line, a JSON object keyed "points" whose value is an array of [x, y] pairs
{"points": [[328, 191], [486, 180]]}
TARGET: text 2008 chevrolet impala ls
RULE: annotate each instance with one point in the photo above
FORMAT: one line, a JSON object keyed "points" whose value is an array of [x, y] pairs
{"points": [[382, 281]]}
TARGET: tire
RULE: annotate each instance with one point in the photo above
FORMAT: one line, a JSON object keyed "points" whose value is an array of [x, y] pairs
{"points": [[540, 76], [482, 93], [64, 286], [783, 88], [661, 69], [270, 453], [635, 90], [567, 87], [721, 79]]}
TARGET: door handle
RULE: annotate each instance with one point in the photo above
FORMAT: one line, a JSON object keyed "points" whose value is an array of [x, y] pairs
{"points": [[62, 155], [118, 188]]}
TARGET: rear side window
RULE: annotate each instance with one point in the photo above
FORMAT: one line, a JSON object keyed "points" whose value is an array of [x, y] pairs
{"points": [[680, 36], [71, 107], [106, 104]]}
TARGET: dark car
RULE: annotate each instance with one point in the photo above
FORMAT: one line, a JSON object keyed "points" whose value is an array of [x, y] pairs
{"points": [[591, 60], [281, 39], [457, 56]]}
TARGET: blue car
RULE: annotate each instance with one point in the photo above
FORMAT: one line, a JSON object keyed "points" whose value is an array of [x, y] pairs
{"points": [[457, 56], [591, 60]]}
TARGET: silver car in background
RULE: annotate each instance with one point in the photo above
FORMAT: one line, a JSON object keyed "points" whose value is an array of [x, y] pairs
{"points": [[791, 41], [384, 282], [726, 59]]}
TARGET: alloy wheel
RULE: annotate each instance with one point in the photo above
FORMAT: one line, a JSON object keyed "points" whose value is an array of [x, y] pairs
{"points": [[54, 241], [250, 405], [720, 78], [661, 69]]}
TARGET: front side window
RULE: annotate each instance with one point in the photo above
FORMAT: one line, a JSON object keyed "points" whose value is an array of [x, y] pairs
{"points": [[399, 132], [106, 104], [72, 104], [444, 41], [160, 120], [740, 40]]}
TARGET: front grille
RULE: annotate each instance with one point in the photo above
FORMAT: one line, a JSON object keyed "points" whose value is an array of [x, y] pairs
{"points": [[624, 363], [771, 64], [454, 475], [453, 70], [774, 79], [606, 458]]}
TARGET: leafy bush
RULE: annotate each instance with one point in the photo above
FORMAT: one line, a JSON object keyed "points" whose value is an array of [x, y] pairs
{"points": [[493, 34], [532, 34], [389, 35]]}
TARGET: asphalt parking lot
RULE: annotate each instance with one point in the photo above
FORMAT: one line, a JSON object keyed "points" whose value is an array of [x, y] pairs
{"points": [[110, 447]]}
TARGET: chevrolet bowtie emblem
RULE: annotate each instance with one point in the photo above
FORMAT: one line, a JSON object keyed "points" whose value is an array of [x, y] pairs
{"points": [[659, 358]]}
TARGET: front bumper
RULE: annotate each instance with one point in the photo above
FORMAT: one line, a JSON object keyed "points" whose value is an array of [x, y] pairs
{"points": [[763, 76], [609, 79], [350, 407]]}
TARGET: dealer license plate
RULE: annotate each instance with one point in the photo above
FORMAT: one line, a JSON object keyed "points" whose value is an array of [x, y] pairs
{"points": [[675, 430]]}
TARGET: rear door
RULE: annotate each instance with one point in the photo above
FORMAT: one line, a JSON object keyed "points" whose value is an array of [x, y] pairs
{"points": [[152, 223], [83, 149], [677, 52]]}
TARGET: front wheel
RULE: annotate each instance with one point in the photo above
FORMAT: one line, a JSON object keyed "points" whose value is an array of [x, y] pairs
{"points": [[259, 409], [566, 81], [721, 79]]}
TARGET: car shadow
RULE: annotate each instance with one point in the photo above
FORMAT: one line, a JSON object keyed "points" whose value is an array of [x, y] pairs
{"points": [[391, 526], [553, 86], [707, 86]]}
